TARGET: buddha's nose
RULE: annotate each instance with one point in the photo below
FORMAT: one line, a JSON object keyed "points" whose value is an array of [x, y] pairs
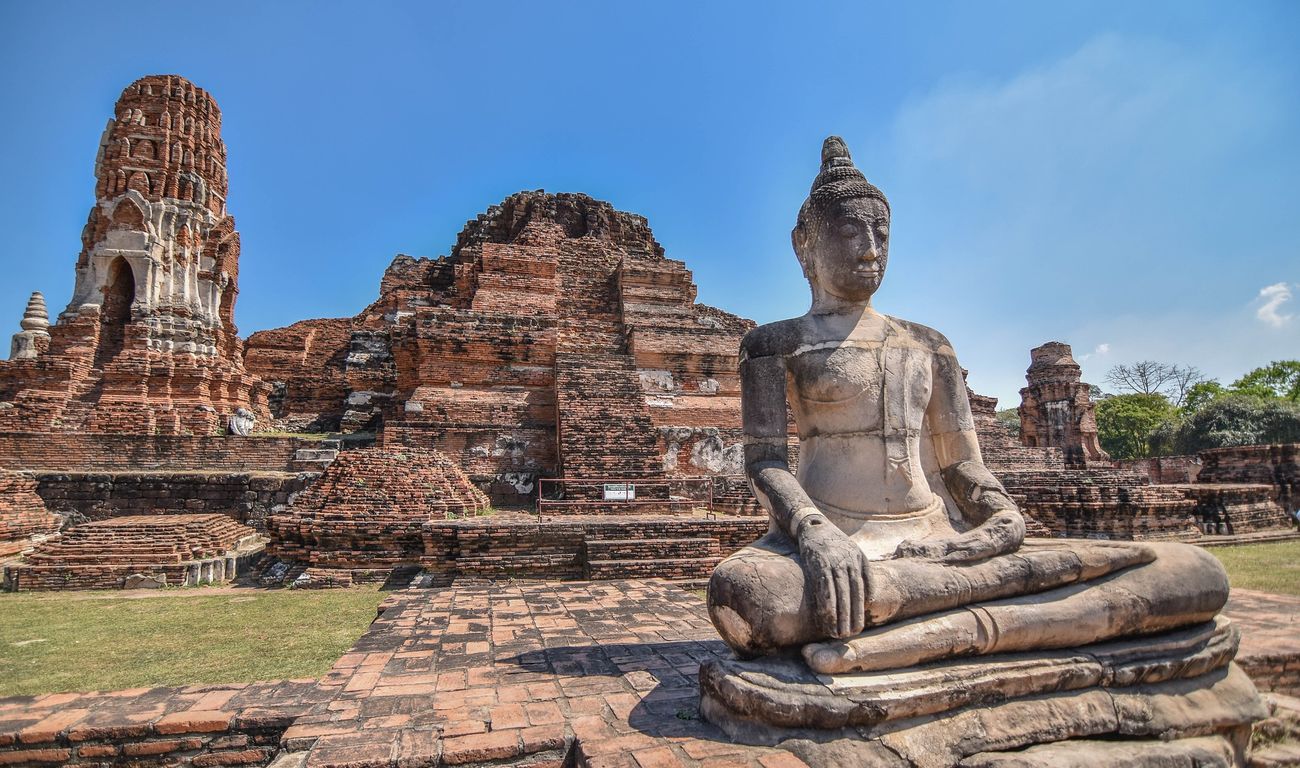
{"points": [[872, 253]]}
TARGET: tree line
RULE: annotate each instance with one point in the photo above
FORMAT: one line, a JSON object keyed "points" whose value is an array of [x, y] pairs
{"points": [[1160, 409]]}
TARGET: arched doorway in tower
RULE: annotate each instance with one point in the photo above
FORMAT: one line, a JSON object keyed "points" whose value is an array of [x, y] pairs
{"points": [[115, 311]]}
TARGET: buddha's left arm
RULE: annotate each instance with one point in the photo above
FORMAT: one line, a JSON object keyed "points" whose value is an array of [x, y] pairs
{"points": [[996, 524]]}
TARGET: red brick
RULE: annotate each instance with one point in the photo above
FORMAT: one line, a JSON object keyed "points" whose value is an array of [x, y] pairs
{"points": [[194, 721], [479, 747]]}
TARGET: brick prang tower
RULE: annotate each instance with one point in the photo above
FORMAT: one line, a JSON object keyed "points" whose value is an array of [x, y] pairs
{"points": [[1056, 409], [160, 208], [148, 341]]}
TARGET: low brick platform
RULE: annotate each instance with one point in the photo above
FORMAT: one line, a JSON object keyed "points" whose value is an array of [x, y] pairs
{"points": [[364, 516], [586, 675], [169, 550]]}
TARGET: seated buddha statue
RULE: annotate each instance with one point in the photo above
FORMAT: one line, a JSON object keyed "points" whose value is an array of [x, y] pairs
{"points": [[893, 544]]}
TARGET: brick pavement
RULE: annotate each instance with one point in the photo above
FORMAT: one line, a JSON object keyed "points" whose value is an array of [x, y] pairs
{"points": [[525, 673], [1270, 638], [584, 674]]}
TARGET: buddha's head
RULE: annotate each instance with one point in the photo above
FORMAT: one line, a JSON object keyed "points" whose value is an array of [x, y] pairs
{"points": [[842, 236]]}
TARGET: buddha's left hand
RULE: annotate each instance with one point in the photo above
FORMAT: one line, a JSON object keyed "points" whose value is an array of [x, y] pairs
{"points": [[1000, 534]]}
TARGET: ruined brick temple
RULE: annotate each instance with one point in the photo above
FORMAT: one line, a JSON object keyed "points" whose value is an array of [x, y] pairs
{"points": [[555, 340], [148, 343]]}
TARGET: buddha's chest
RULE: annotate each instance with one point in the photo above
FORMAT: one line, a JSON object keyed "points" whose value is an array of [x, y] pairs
{"points": [[860, 386]]}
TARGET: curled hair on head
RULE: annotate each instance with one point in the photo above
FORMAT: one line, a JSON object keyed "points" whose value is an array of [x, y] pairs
{"points": [[838, 180]]}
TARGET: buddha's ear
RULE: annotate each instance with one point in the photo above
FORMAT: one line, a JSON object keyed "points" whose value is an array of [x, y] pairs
{"points": [[800, 237]]}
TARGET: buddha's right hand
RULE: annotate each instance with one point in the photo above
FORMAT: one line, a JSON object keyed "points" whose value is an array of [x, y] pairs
{"points": [[836, 569]]}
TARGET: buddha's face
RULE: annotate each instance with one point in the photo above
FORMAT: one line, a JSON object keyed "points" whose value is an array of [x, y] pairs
{"points": [[846, 256]]}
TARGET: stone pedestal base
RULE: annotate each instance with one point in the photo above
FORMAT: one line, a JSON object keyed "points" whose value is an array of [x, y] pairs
{"points": [[1173, 699]]}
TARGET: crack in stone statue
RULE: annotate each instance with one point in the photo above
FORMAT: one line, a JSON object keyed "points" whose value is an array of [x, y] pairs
{"points": [[894, 545]]}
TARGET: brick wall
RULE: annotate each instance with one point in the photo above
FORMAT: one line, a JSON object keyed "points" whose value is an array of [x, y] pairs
{"points": [[242, 496], [85, 452], [22, 513], [1276, 465], [305, 366], [1165, 469], [557, 549]]}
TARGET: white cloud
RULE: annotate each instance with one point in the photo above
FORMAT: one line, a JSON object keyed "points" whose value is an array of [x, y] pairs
{"points": [[1097, 351], [1274, 296]]}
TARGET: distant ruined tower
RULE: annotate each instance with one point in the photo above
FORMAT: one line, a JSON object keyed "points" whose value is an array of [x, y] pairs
{"points": [[1056, 410], [148, 341]]}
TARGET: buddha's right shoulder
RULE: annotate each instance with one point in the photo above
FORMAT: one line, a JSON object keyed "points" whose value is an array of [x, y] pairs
{"points": [[773, 339]]}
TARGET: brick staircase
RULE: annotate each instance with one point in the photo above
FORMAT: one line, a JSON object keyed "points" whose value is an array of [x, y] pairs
{"points": [[605, 429]]}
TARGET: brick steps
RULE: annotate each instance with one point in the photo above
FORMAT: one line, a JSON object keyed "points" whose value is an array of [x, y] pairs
{"points": [[179, 550], [605, 428]]}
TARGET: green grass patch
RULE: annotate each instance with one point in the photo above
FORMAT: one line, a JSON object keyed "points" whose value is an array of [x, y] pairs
{"points": [[77, 641], [1269, 567]]}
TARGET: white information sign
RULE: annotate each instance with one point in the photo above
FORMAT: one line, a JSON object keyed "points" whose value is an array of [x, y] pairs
{"points": [[620, 492]]}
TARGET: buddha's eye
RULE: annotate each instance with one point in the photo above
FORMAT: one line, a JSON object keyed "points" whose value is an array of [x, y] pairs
{"points": [[848, 230], [883, 230]]}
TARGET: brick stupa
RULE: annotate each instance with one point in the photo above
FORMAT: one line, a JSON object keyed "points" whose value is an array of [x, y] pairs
{"points": [[367, 512], [148, 342]]}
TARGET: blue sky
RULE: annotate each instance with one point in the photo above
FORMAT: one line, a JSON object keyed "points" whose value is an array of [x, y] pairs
{"points": [[1119, 176]]}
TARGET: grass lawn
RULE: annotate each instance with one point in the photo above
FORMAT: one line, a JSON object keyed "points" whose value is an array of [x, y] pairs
{"points": [[78, 641], [1271, 567]]}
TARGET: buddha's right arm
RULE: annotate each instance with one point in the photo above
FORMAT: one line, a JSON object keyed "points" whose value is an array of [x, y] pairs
{"points": [[767, 458]]}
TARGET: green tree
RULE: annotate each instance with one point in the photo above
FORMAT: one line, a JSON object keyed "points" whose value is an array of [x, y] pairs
{"points": [[1125, 423], [1279, 379], [1237, 419], [1010, 418], [1202, 394]]}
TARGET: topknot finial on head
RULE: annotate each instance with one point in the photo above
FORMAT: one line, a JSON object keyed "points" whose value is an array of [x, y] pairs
{"points": [[839, 179], [835, 152]]}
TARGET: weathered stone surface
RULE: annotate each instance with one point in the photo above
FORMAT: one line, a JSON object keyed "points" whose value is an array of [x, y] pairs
{"points": [[148, 342]]}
